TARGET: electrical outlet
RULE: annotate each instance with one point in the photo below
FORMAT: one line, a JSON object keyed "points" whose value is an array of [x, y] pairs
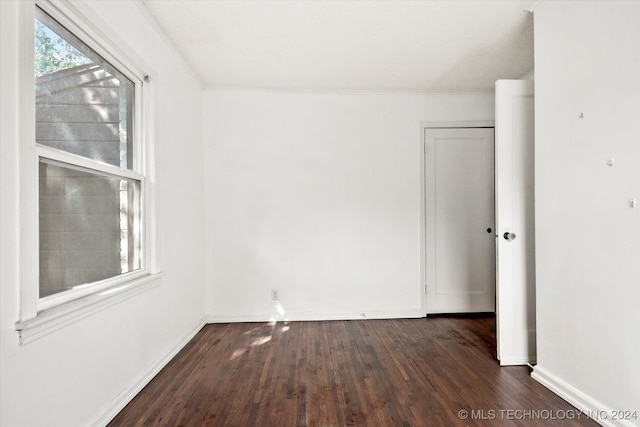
{"points": [[275, 294]]}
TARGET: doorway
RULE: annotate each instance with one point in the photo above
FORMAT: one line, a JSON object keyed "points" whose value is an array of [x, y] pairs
{"points": [[447, 224], [459, 207]]}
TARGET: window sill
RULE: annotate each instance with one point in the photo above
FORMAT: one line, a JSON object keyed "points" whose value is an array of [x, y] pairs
{"points": [[51, 320]]}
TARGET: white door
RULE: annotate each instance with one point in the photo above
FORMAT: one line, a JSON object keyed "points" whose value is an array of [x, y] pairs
{"points": [[460, 243], [515, 281]]}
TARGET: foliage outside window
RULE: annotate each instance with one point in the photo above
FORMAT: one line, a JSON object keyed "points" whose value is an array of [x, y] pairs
{"points": [[53, 53]]}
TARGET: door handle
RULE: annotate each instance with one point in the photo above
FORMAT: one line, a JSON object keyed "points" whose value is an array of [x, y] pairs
{"points": [[509, 236]]}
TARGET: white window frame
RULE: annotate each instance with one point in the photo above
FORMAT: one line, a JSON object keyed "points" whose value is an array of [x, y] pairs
{"points": [[41, 316]]}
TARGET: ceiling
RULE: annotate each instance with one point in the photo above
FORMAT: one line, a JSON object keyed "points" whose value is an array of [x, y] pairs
{"points": [[350, 44]]}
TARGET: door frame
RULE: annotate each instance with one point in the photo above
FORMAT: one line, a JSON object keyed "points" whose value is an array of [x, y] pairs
{"points": [[515, 293], [424, 127]]}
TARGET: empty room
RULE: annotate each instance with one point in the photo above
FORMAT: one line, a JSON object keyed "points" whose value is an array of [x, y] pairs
{"points": [[319, 213]]}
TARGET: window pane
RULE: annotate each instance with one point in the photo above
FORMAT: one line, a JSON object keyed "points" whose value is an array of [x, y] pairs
{"points": [[83, 105], [88, 227]]}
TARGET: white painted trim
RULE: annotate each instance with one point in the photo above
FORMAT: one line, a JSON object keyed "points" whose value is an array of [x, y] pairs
{"points": [[10, 153], [150, 236], [80, 291], [58, 317], [118, 403], [320, 91], [585, 403], [457, 124], [313, 316], [423, 223], [28, 165], [85, 164]]}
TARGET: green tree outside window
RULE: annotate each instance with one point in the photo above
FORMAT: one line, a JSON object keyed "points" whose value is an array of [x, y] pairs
{"points": [[53, 53]]}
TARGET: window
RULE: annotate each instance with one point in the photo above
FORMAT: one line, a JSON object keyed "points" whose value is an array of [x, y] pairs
{"points": [[89, 192], [94, 193]]}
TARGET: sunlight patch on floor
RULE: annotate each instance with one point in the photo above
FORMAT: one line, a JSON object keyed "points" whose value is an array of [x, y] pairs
{"points": [[272, 323]]}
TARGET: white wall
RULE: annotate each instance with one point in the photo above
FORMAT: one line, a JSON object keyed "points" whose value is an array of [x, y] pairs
{"points": [[587, 237], [318, 195], [78, 374], [531, 75]]}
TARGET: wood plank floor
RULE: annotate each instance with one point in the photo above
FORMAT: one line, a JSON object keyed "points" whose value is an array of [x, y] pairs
{"points": [[413, 372]]}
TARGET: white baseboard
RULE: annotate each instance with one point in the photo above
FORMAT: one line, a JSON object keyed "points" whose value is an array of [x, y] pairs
{"points": [[589, 406], [123, 398], [313, 316], [517, 361]]}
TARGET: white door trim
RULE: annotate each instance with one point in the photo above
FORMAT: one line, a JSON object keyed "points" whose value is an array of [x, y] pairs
{"points": [[424, 126], [515, 211], [457, 124]]}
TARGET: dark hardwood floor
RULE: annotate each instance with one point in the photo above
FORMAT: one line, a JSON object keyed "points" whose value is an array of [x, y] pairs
{"points": [[438, 371]]}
